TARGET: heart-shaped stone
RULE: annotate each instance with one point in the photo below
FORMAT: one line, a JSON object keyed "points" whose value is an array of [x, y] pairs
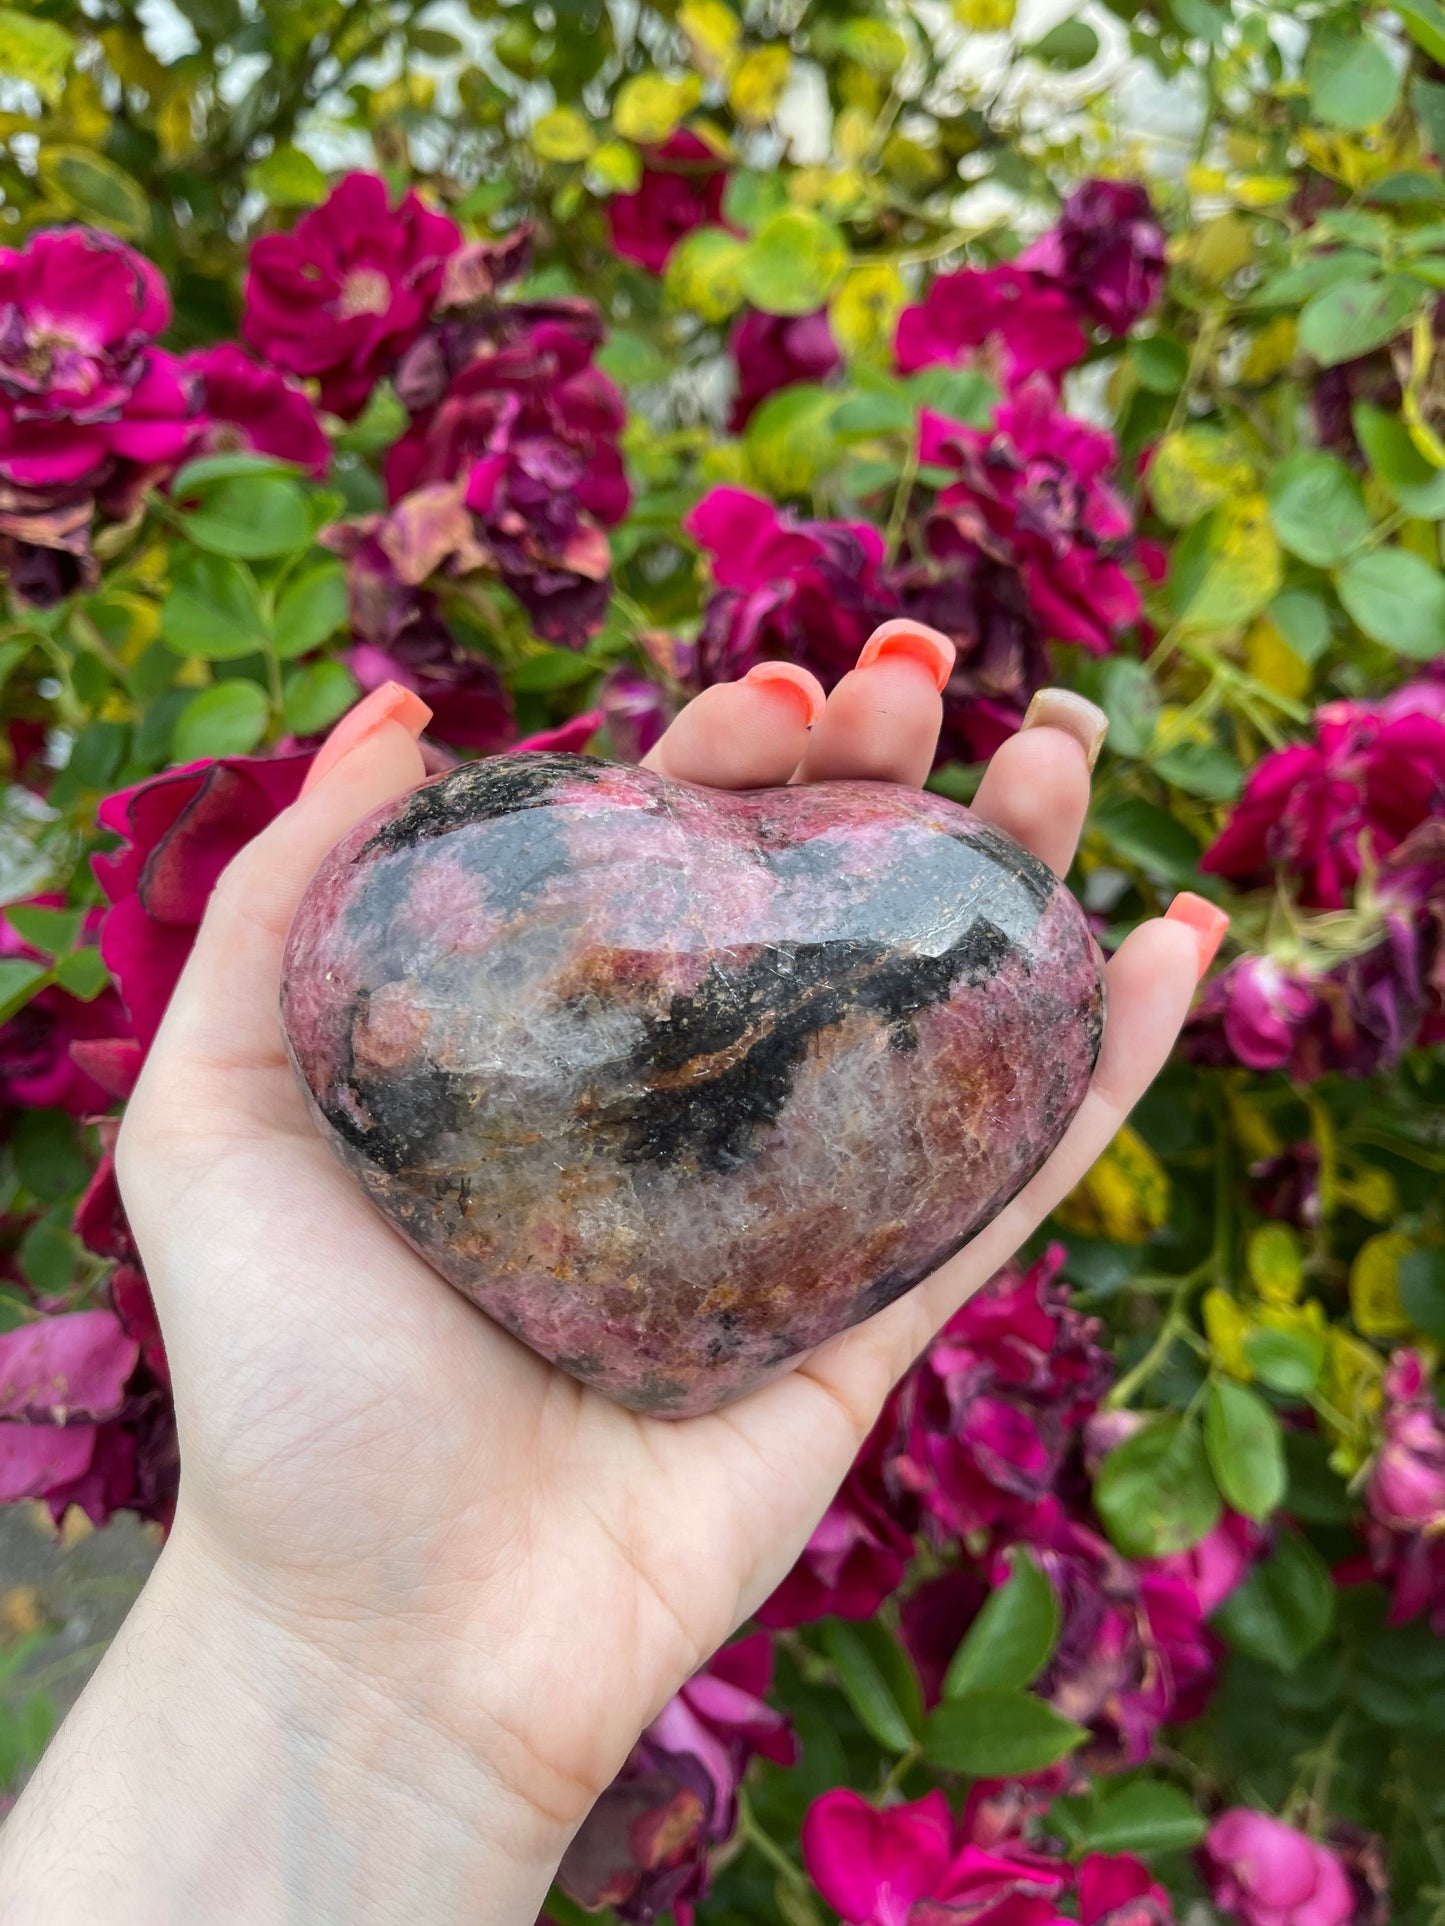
{"points": [[673, 1083]]}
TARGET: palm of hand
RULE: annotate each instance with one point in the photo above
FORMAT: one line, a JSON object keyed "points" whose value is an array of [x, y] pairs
{"points": [[528, 1568]]}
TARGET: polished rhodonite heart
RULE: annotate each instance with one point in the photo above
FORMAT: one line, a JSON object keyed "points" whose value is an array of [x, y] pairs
{"points": [[673, 1083]]}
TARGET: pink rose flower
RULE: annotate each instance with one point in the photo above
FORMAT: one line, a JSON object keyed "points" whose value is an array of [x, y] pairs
{"points": [[255, 410], [60, 1378], [1405, 1495], [179, 831], [1264, 1873], [857, 1554], [1318, 812], [1035, 493], [991, 1410], [643, 1849], [1106, 255], [913, 1863], [681, 188], [638, 711], [1009, 321], [470, 706], [37, 1068], [91, 411], [348, 290], [1116, 1890], [772, 351]]}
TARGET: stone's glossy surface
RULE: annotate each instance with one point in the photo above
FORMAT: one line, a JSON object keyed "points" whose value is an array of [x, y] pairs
{"points": [[676, 1084]]}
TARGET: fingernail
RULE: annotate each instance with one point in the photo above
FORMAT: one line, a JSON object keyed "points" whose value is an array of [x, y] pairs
{"points": [[1074, 714], [1207, 923], [390, 703], [913, 642], [801, 687]]}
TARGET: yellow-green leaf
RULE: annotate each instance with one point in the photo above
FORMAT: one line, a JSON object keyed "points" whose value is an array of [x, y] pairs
{"points": [[563, 135], [712, 31], [35, 51], [96, 189], [793, 262], [758, 82], [649, 107], [1196, 469], [864, 310], [704, 273], [288, 178]]}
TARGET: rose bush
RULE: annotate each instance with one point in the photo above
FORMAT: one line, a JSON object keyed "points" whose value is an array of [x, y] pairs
{"points": [[635, 353]]}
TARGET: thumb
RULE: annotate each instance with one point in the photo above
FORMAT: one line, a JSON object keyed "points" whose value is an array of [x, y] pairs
{"points": [[223, 1017]]}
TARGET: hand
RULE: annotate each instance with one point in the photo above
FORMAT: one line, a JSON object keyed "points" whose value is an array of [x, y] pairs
{"points": [[453, 1580]]}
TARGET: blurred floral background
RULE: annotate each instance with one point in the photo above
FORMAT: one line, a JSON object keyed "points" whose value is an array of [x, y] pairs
{"points": [[561, 360]]}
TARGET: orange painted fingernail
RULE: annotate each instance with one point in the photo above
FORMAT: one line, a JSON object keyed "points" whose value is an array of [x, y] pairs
{"points": [[797, 683], [389, 703], [1207, 923], [914, 642], [1074, 714]]}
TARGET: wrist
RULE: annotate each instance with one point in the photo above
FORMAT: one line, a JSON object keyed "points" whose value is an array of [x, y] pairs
{"points": [[228, 1764]]}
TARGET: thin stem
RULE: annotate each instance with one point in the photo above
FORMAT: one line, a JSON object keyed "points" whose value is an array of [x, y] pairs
{"points": [[907, 476], [763, 1842]]}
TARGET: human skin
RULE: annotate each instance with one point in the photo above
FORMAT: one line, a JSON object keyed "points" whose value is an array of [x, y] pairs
{"points": [[424, 1590]]}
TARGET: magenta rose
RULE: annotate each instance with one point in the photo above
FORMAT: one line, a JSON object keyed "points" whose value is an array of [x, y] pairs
{"points": [[643, 1849], [806, 592], [91, 411], [341, 296], [254, 410], [179, 830], [914, 1863], [681, 188], [1035, 494], [1010, 322], [857, 1554], [1264, 1873], [1106, 253], [37, 1068], [1405, 1495], [1319, 812], [989, 1414], [1115, 1889], [772, 351], [60, 1379]]}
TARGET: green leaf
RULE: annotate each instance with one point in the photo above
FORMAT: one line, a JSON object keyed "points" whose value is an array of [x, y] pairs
{"points": [[865, 416], [704, 272], [1420, 1279], [789, 439], [1355, 317], [96, 189], [1284, 1609], [19, 981], [35, 51], [201, 474], [1011, 1640], [748, 198], [1293, 286], [1161, 362], [793, 262], [550, 669], [1149, 838], [1070, 45], [1318, 508], [51, 931], [311, 608], [1412, 481], [1427, 97], [1353, 82], [250, 518], [963, 394], [1425, 23], [1155, 1492], [48, 1252], [82, 973], [48, 1155], [288, 178], [1303, 619], [1245, 1448], [1145, 1817], [226, 720], [315, 696], [999, 1735], [1227, 568], [213, 610], [1289, 1362], [1396, 598], [878, 1680], [1130, 699], [1203, 769]]}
